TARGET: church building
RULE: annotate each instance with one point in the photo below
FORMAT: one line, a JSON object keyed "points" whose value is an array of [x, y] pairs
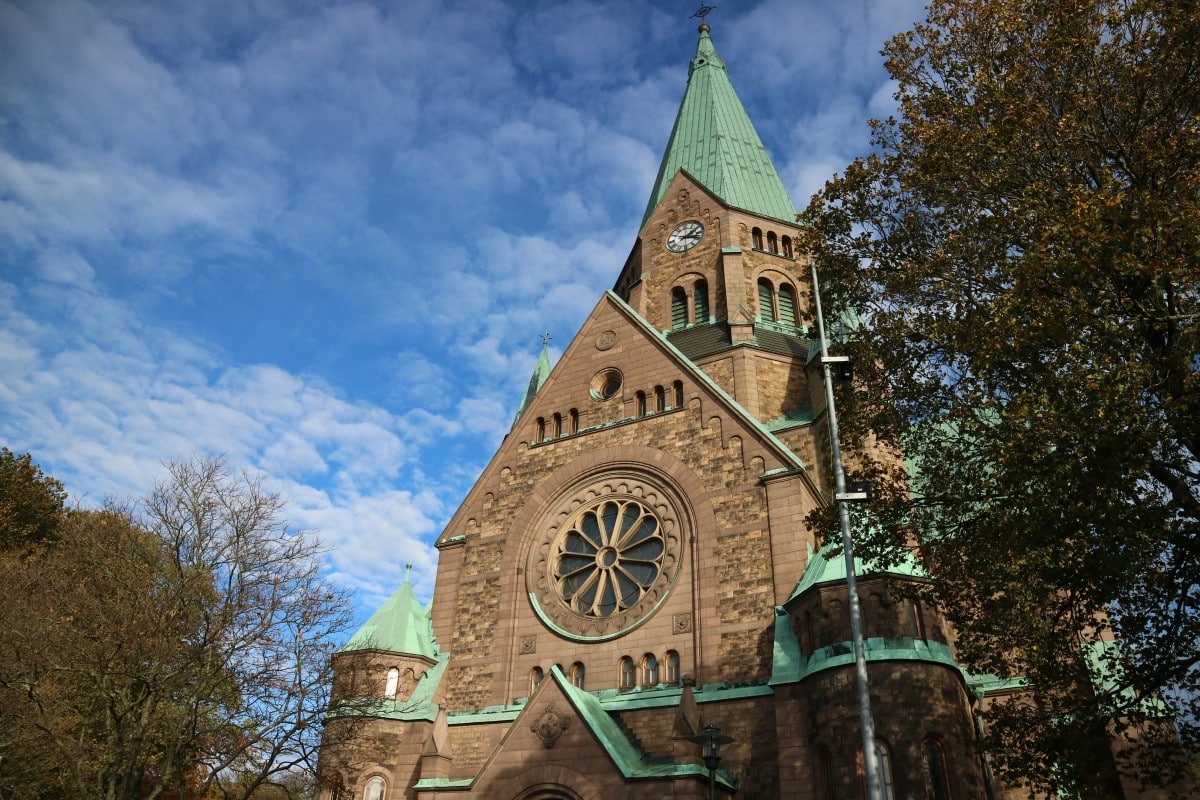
{"points": [[634, 563]]}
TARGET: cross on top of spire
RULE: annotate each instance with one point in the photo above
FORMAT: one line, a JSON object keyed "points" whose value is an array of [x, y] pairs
{"points": [[702, 12]]}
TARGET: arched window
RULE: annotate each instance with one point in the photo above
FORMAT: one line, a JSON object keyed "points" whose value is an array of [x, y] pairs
{"points": [[375, 789], [679, 304], [573, 415], [787, 304], [772, 242], [756, 238], [641, 404], [393, 682], [701, 292], [535, 679], [677, 388], [916, 622], [577, 673], [885, 770], [627, 674], [649, 670], [825, 772], [558, 430], [806, 633], [787, 247], [672, 667], [541, 429], [766, 306], [933, 760], [660, 399]]}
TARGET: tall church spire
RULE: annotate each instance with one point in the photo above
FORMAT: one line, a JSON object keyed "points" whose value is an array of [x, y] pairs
{"points": [[540, 372], [715, 142]]}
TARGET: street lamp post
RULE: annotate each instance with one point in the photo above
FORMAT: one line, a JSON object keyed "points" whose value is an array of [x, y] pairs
{"points": [[842, 497], [710, 739]]}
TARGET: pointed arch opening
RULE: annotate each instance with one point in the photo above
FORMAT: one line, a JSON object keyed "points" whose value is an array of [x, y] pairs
{"points": [[393, 683], [578, 672], [535, 679], [756, 238], [786, 247], [772, 242]]}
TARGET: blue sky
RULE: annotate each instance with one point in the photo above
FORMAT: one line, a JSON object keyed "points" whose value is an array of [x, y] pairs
{"points": [[323, 238]]}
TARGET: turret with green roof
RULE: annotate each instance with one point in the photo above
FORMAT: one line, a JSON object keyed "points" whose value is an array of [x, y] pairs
{"points": [[400, 625]]}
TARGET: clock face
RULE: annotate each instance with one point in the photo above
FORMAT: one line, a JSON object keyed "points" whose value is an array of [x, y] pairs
{"points": [[685, 236]]}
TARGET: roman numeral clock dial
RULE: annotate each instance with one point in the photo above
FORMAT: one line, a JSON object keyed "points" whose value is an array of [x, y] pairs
{"points": [[685, 236]]}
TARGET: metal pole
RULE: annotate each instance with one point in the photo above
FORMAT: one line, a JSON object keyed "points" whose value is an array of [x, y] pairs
{"points": [[867, 722]]}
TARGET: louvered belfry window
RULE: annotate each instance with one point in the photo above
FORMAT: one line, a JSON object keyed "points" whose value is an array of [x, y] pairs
{"points": [[766, 309], [678, 308]]}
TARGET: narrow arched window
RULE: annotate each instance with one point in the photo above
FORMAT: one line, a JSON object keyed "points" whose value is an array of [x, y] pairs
{"points": [[375, 790], [672, 667], [558, 429], [825, 771], [787, 246], [806, 633], [649, 670], [701, 301], [679, 304], [933, 760], [660, 399], [885, 770], [535, 679], [756, 238], [677, 388], [787, 304], [577, 673], [641, 404], [573, 415], [627, 674], [772, 242], [541, 429], [393, 682], [766, 306], [916, 622]]}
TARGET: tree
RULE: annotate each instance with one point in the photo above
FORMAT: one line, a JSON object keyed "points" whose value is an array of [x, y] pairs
{"points": [[31, 503], [177, 648], [1022, 246]]}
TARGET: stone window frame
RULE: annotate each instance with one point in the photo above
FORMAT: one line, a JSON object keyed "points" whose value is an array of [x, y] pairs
{"points": [[393, 683], [934, 769], [375, 781]]}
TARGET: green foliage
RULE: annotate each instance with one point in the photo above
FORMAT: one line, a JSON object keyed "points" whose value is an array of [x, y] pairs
{"points": [[31, 503], [1023, 245], [178, 648]]}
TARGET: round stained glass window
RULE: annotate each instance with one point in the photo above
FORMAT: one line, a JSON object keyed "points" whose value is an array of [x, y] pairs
{"points": [[609, 558], [606, 554]]}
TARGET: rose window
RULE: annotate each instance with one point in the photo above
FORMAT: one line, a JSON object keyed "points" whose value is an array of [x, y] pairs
{"points": [[609, 558]]}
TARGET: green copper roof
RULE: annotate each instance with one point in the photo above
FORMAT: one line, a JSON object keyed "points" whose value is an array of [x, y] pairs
{"points": [[540, 372], [400, 625], [824, 567], [715, 142]]}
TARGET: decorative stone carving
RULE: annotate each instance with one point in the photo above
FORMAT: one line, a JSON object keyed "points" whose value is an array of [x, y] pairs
{"points": [[682, 623], [606, 340], [528, 645], [550, 725]]}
